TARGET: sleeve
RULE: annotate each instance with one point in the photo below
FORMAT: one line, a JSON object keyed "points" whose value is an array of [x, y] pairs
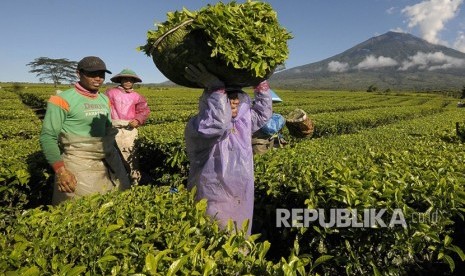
{"points": [[209, 125], [214, 114], [262, 110], [111, 102], [142, 110], [57, 109], [109, 96]]}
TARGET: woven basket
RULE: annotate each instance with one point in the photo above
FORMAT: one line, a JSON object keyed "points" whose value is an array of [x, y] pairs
{"points": [[179, 47], [299, 125]]}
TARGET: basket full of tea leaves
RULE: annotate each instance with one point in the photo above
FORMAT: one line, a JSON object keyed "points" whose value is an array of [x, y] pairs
{"points": [[242, 44]]}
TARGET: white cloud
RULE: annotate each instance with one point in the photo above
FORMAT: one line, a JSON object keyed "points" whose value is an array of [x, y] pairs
{"points": [[376, 62], [336, 66], [391, 10], [398, 30], [432, 61], [430, 16], [459, 43]]}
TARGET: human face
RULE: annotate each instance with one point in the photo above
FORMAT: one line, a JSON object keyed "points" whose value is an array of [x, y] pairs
{"points": [[91, 80], [127, 83], [234, 107]]}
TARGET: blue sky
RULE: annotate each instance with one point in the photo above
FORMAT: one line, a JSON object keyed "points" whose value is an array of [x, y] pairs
{"points": [[113, 29]]}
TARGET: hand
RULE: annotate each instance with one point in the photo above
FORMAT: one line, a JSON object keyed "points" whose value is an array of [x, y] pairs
{"points": [[66, 180], [262, 86], [134, 124], [202, 77]]}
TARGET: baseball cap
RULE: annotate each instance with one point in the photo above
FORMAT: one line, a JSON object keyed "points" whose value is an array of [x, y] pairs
{"points": [[92, 64]]}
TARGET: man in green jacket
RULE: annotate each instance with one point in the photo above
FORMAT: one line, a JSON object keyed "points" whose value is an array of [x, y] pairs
{"points": [[77, 138]]}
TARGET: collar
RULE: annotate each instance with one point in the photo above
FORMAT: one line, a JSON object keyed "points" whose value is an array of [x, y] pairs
{"points": [[126, 91], [81, 90]]}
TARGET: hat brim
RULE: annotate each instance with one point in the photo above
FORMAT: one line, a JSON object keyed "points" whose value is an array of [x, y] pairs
{"points": [[106, 71], [117, 78]]}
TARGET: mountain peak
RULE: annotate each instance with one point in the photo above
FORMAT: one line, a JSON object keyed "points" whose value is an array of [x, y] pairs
{"points": [[396, 35], [393, 55]]}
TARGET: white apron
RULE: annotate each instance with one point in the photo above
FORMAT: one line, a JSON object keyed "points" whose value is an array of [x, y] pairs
{"points": [[96, 164], [125, 140]]}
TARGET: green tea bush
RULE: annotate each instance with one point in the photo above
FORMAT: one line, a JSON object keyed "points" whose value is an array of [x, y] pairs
{"points": [[420, 174], [162, 152], [402, 152], [33, 100], [24, 183], [24, 173], [143, 231]]}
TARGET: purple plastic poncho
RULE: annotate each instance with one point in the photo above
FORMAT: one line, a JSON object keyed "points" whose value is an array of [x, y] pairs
{"points": [[219, 148]]}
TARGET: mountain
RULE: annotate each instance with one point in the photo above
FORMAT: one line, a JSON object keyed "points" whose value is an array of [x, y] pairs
{"points": [[395, 61]]}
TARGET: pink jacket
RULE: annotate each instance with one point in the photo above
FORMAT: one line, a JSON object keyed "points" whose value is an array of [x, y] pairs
{"points": [[127, 105]]}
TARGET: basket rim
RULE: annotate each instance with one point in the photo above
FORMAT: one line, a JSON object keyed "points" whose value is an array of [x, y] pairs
{"points": [[155, 44]]}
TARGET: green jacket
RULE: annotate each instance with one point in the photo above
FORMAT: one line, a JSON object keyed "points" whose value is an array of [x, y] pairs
{"points": [[73, 112]]}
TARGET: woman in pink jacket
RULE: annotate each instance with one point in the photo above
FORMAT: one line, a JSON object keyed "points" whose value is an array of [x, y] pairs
{"points": [[219, 146], [129, 110]]}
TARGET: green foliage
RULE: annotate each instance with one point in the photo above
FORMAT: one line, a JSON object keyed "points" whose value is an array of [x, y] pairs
{"points": [[23, 170], [373, 150], [246, 36], [32, 100], [144, 230], [372, 88], [421, 174], [460, 130], [162, 152]]}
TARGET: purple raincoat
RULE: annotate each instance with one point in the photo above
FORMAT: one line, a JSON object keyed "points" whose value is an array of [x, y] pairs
{"points": [[219, 148]]}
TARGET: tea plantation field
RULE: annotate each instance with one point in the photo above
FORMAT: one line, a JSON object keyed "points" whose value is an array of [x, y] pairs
{"points": [[396, 152]]}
